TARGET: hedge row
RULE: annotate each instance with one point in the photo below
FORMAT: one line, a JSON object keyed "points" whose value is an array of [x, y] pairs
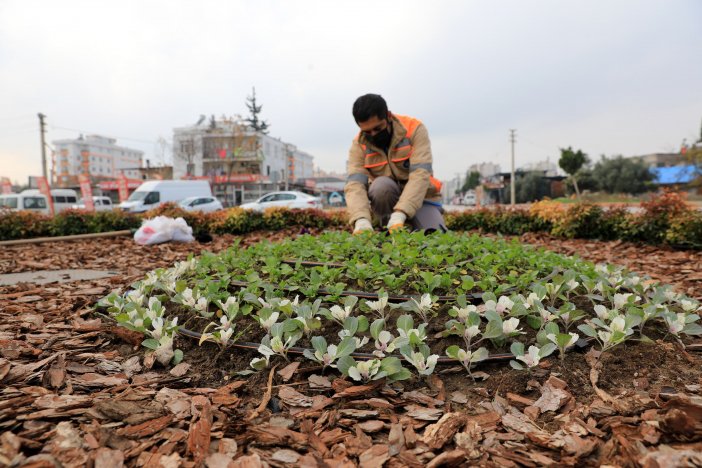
{"points": [[22, 225], [666, 219]]}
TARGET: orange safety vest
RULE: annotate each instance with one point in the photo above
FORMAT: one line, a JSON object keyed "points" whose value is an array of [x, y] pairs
{"points": [[401, 151]]}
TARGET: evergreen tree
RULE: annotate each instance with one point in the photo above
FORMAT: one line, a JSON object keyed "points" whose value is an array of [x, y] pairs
{"points": [[622, 175], [254, 110]]}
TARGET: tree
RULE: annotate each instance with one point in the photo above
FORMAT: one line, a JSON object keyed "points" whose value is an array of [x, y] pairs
{"points": [[472, 181], [254, 110], [531, 186], [571, 162], [622, 175]]}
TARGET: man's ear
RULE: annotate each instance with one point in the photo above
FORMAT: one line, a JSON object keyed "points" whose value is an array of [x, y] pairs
{"points": [[389, 115]]}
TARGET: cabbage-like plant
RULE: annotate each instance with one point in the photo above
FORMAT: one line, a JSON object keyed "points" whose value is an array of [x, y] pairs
{"points": [[532, 357], [467, 358], [328, 354], [373, 369]]}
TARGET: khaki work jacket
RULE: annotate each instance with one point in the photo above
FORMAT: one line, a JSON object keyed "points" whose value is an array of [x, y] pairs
{"points": [[409, 164]]}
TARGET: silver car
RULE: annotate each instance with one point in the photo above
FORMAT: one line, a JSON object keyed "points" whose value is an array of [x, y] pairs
{"points": [[290, 199], [204, 204]]}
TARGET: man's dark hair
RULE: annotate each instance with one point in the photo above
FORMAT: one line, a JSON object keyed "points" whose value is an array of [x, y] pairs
{"points": [[368, 106]]}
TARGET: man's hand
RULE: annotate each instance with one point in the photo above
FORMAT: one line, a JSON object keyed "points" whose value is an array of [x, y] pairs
{"points": [[397, 221], [362, 225]]}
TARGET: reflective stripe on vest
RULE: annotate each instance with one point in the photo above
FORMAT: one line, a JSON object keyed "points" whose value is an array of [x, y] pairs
{"points": [[425, 166], [362, 178], [410, 124]]}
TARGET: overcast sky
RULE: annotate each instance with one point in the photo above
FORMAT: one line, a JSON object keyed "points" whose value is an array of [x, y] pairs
{"points": [[606, 76]]}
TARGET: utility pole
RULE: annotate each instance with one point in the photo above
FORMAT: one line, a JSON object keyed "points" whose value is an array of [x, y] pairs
{"points": [[512, 196], [42, 131]]}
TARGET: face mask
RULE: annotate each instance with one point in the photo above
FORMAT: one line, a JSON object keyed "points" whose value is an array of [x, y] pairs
{"points": [[382, 139]]}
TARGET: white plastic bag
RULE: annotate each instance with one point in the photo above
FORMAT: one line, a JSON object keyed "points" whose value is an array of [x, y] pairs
{"points": [[163, 229]]}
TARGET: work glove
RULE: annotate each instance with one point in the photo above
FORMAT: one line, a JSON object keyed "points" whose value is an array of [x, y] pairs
{"points": [[362, 225], [397, 221]]}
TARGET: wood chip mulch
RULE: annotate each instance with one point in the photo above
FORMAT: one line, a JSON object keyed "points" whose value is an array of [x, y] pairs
{"points": [[76, 392]]}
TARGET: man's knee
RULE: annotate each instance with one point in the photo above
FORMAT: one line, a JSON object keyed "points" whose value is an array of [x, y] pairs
{"points": [[383, 187], [429, 218]]}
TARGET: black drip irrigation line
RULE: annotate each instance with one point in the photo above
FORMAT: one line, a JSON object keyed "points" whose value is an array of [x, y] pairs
{"points": [[391, 298], [445, 360]]}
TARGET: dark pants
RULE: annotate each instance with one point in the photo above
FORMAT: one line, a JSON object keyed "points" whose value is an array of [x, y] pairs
{"points": [[384, 193]]}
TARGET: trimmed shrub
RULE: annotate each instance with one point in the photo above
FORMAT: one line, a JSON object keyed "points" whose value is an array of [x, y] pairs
{"points": [[113, 220], [236, 221], [651, 226], [71, 222], [23, 224], [581, 220], [665, 219], [685, 230]]}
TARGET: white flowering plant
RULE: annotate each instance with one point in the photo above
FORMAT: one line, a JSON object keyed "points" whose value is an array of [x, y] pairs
{"points": [[378, 307], [373, 369], [681, 322], [307, 317], [408, 335], [353, 325], [339, 313], [385, 342], [609, 335], [563, 341], [424, 307], [423, 361], [532, 357], [195, 300], [467, 358], [328, 354]]}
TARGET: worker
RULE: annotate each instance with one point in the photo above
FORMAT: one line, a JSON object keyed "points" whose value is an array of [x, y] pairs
{"points": [[390, 171]]}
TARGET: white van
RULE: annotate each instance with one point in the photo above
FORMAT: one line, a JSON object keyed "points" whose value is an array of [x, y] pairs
{"points": [[157, 192], [24, 202], [63, 199], [469, 199]]}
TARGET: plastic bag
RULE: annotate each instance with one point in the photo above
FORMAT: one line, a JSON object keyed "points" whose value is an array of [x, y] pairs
{"points": [[163, 229]]}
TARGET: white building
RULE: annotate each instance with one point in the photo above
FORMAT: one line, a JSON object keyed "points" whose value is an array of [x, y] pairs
{"points": [[486, 169], [550, 169], [94, 155], [227, 151]]}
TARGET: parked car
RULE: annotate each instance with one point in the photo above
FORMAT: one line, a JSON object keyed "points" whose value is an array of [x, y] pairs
{"points": [[63, 199], [469, 199], [100, 203], [204, 204], [157, 192], [289, 199], [24, 202]]}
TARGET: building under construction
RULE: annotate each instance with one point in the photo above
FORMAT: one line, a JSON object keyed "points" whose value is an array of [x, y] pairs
{"points": [[240, 163]]}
